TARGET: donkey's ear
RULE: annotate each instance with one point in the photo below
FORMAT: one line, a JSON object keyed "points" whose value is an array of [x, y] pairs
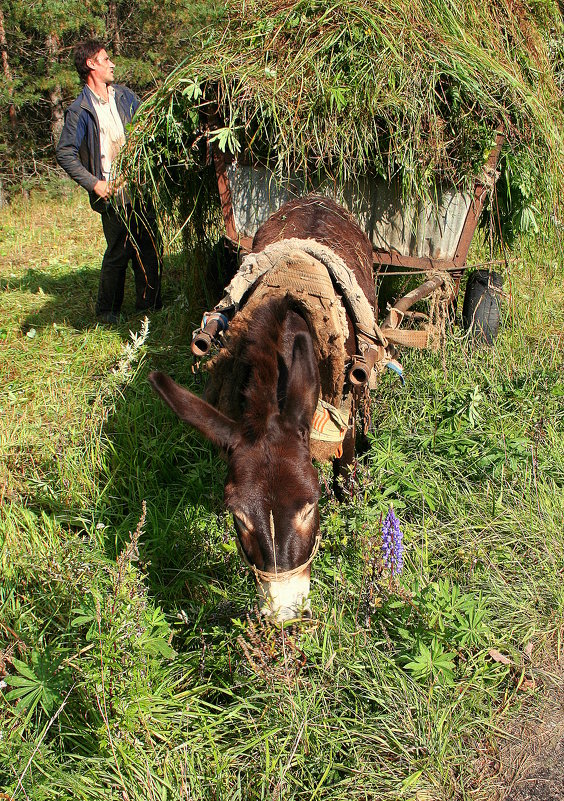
{"points": [[215, 426], [302, 391]]}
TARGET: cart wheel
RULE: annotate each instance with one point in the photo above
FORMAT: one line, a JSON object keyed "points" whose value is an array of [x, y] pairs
{"points": [[481, 309]]}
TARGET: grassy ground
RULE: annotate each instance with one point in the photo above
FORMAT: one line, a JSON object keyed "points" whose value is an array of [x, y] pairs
{"points": [[129, 667]]}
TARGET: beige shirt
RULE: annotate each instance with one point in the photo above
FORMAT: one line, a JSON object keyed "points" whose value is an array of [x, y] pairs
{"points": [[112, 134]]}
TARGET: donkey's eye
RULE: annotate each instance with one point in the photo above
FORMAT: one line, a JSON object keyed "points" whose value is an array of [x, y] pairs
{"points": [[242, 522], [303, 517]]}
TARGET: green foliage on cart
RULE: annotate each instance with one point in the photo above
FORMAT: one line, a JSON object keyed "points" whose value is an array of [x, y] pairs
{"points": [[413, 92]]}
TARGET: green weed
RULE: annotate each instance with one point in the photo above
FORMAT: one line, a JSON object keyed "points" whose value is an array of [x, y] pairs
{"points": [[132, 664]]}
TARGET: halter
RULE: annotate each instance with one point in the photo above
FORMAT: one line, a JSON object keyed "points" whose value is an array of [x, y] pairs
{"points": [[265, 576]]}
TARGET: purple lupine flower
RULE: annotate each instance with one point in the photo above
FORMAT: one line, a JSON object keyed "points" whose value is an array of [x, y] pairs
{"points": [[387, 544], [392, 543]]}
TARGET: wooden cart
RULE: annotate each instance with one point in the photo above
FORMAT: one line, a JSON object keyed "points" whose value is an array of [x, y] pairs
{"points": [[429, 239]]}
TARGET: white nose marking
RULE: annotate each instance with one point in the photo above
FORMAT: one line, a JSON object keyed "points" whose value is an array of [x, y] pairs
{"points": [[286, 599]]}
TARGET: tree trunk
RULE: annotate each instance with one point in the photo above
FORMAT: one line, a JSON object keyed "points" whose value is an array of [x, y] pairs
{"points": [[113, 27], [55, 92], [7, 71]]}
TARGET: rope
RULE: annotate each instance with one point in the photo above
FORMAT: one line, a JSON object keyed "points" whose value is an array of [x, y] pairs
{"points": [[285, 575], [438, 315], [433, 333]]}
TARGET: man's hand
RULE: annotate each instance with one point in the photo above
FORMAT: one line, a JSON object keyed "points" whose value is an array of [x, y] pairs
{"points": [[102, 189]]}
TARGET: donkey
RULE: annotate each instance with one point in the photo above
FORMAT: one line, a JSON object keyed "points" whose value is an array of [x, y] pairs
{"points": [[272, 488]]}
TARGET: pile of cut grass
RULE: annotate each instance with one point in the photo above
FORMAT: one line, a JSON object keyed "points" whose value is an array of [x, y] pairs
{"points": [[131, 668], [404, 90]]}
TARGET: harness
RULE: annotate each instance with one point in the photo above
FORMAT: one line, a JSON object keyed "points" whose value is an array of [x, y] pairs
{"points": [[263, 576], [324, 289]]}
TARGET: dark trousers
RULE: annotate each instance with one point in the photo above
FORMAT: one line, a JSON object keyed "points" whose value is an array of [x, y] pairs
{"points": [[132, 239]]}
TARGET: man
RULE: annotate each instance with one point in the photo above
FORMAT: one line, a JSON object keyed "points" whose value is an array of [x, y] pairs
{"points": [[92, 136]]}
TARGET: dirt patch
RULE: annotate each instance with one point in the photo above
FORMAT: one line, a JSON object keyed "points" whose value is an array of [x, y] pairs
{"points": [[531, 756]]}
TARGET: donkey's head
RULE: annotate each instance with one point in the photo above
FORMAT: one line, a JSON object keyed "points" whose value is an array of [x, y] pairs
{"points": [[272, 488]]}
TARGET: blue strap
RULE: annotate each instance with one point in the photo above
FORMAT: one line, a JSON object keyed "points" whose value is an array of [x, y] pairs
{"points": [[397, 368], [216, 315]]}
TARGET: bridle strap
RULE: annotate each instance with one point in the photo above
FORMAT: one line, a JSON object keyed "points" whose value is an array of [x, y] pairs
{"points": [[285, 575]]}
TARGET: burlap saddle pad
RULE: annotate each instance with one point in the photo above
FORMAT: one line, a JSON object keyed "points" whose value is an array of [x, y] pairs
{"points": [[306, 281]]}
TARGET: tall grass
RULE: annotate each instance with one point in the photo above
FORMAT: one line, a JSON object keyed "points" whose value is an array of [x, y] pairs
{"points": [[408, 91], [129, 666]]}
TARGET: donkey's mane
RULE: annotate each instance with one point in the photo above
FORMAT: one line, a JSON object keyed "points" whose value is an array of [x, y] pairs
{"points": [[262, 355]]}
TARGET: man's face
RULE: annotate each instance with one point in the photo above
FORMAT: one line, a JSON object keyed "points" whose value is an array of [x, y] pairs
{"points": [[101, 67]]}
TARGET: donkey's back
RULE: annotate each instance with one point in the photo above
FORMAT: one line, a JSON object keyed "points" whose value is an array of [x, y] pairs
{"points": [[322, 219]]}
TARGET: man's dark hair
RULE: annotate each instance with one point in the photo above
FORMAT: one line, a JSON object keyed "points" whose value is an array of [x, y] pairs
{"points": [[82, 52]]}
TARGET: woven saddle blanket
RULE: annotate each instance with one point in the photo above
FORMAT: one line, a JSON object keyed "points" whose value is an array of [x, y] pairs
{"points": [[322, 289]]}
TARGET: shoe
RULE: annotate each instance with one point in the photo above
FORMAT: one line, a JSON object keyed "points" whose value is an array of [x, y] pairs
{"points": [[110, 318]]}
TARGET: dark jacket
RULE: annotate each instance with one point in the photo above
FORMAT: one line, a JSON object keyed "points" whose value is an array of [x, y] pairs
{"points": [[78, 151]]}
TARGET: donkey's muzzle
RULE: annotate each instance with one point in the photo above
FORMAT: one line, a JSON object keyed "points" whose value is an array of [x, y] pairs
{"points": [[286, 599]]}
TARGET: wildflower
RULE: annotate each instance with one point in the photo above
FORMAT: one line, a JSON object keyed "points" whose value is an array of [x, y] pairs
{"points": [[392, 543]]}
